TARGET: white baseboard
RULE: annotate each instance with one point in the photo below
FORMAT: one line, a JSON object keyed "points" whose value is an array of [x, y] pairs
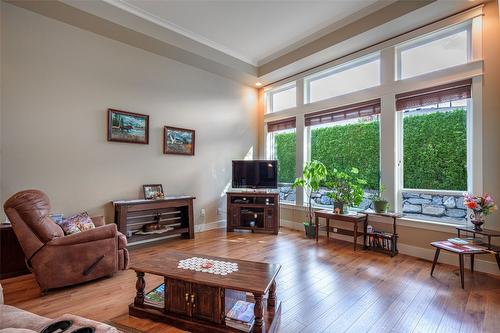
{"points": [[209, 226], [484, 266]]}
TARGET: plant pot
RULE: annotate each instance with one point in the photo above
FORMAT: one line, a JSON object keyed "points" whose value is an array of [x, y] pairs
{"points": [[341, 207], [310, 230], [380, 206]]}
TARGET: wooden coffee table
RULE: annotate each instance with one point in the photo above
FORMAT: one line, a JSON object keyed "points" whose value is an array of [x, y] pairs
{"points": [[198, 301]]}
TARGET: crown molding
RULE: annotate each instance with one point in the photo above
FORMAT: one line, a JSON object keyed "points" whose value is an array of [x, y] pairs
{"points": [[178, 29]]}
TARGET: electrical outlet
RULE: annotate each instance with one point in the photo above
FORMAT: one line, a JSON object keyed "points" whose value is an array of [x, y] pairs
{"points": [[334, 229], [219, 211], [203, 212]]}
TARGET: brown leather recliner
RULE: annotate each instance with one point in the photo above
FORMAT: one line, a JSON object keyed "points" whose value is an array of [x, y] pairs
{"points": [[58, 260]]}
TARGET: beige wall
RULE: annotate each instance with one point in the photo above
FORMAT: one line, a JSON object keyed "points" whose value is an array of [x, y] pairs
{"points": [[415, 240], [57, 83], [491, 105]]}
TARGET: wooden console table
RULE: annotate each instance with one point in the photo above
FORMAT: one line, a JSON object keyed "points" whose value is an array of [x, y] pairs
{"points": [[175, 212], [329, 215], [198, 301]]}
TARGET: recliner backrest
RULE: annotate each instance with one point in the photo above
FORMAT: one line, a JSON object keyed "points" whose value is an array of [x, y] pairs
{"points": [[33, 208]]}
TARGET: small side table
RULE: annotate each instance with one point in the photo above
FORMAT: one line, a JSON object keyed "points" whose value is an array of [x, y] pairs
{"points": [[329, 215], [488, 233]]}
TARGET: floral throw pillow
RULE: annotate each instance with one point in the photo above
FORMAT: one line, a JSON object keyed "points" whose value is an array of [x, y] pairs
{"points": [[77, 223]]}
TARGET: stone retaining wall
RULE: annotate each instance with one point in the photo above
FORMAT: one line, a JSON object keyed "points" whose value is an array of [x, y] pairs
{"points": [[437, 207], [445, 208]]}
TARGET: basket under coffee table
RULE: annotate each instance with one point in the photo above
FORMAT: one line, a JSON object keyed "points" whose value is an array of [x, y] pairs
{"points": [[199, 300]]}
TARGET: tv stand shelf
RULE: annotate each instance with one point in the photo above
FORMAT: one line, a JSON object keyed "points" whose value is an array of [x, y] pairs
{"points": [[255, 211]]}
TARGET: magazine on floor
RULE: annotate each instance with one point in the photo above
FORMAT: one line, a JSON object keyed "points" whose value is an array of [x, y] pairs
{"points": [[156, 297]]}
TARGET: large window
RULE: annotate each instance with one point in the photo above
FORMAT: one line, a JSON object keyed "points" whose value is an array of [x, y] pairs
{"points": [[434, 152], [282, 147], [281, 98], [344, 138], [437, 51], [357, 75]]}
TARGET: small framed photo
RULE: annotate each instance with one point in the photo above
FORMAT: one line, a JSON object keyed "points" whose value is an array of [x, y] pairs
{"points": [[152, 191], [178, 141], [128, 127]]}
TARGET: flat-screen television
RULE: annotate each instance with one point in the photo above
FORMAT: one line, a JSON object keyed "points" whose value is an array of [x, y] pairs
{"points": [[255, 174]]}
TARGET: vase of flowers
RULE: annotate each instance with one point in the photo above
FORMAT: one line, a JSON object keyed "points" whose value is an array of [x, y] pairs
{"points": [[480, 207]]}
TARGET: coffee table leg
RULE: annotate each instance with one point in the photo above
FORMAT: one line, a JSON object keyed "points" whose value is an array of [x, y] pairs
{"points": [[436, 256], [139, 287], [258, 311], [271, 303], [472, 263], [461, 262], [497, 256]]}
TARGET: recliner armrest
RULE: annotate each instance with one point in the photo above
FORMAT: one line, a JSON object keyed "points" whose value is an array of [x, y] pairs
{"points": [[99, 233]]}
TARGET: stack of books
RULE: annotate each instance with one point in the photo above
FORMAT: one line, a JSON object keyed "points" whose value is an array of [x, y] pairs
{"points": [[156, 297], [465, 241], [241, 316]]}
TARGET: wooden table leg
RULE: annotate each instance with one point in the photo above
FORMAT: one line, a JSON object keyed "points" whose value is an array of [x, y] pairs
{"points": [[316, 221], [472, 263], [271, 302], [139, 287], [497, 256], [355, 234], [436, 256], [327, 229], [365, 231], [258, 311], [461, 263]]}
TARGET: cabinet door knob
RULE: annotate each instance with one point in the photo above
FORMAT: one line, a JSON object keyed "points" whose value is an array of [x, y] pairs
{"points": [[186, 297], [192, 300]]}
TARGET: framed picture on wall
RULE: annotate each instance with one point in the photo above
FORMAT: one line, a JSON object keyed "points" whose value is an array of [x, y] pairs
{"points": [[128, 127], [152, 191], [178, 141]]}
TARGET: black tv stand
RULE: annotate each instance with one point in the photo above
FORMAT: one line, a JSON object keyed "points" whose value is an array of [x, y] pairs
{"points": [[257, 211]]}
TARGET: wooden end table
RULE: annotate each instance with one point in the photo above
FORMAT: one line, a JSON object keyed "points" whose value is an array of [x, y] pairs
{"points": [[392, 237], [488, 233], [198, 301], [329, 215]]}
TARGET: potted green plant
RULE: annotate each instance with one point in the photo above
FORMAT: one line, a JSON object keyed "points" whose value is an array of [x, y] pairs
{"points": [[346, 189], [314, 173], [380, 205]]}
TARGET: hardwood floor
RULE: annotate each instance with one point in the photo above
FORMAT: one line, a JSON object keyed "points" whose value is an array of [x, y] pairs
{"points": [[324, 287]]}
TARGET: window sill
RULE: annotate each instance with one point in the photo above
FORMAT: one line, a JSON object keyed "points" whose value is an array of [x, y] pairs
{"points": [[403, 221]]}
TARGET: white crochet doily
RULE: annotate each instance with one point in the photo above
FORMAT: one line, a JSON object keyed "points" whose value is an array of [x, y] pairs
{"points": [[208, 266]]}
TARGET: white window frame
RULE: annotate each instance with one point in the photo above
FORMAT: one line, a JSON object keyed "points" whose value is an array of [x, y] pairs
{"points": [[400, 150], [433, 36], [269, 95], [271, 154], [308, 147], [338, 69]]}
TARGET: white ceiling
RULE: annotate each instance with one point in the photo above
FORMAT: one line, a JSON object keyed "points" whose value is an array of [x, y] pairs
{"points": [[251, 30]]}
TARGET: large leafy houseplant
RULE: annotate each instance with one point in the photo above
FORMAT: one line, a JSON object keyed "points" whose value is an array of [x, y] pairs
{"points": [[314, 173], [346, 188]]}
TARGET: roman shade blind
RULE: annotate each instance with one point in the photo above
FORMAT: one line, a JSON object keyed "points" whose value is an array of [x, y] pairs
{"points": [[282, 124], [351, 111], [440, 94]]}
